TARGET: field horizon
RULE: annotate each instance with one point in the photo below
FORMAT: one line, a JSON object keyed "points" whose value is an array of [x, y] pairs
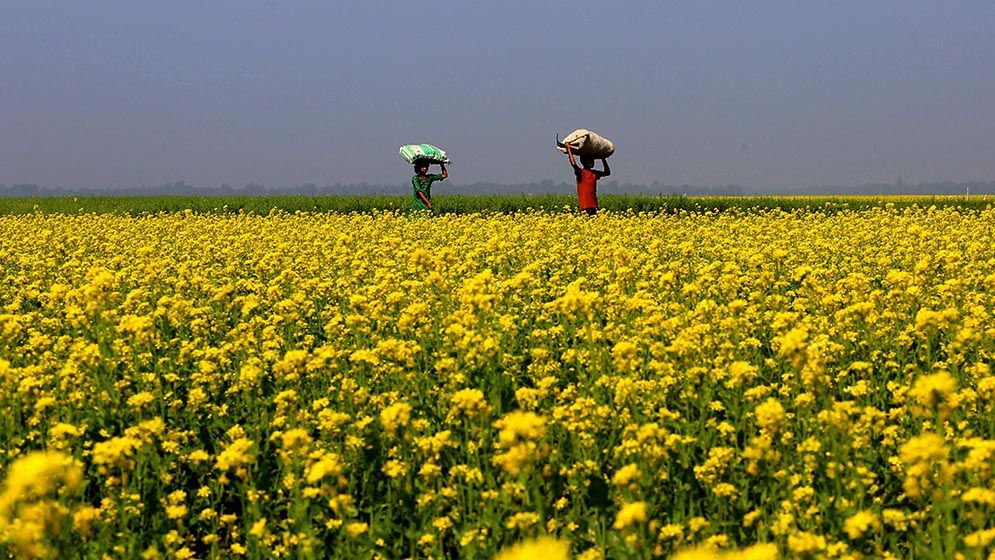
{"points": [[461, 204]]}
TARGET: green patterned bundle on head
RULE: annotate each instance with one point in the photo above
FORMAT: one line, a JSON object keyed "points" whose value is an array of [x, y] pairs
{"points": [[423, 152]]}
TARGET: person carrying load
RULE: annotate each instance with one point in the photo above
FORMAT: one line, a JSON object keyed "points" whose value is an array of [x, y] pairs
{"points": [[421, 184], [589, 145], [421, 156]]}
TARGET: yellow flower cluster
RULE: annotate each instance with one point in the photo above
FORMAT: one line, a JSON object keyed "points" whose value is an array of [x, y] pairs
{"points": [[739, 384], [32, 515]]}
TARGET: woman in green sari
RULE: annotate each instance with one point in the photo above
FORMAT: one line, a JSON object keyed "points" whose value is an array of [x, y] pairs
{"points": [[421, 184]]}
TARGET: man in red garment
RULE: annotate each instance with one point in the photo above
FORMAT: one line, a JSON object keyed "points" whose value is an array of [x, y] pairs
{"points": [[587, 181]]}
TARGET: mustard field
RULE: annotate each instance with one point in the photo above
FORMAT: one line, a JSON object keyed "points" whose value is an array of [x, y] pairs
{"points": [[465, 200], [717, 384]]}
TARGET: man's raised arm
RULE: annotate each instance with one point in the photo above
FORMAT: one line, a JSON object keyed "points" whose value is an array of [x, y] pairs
{"points": [[570, 154]]}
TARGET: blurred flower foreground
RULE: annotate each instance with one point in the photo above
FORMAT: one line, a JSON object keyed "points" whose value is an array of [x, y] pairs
{"points": [[739, 384]]}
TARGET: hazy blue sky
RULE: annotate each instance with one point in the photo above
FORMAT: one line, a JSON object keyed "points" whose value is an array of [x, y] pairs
{"points": [[773, 94]]}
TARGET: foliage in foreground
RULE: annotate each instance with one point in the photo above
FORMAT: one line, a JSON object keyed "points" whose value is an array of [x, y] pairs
{"points": [[357, 385]]}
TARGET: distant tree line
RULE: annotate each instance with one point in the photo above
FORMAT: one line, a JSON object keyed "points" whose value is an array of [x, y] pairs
{"points": [[182, 188]]}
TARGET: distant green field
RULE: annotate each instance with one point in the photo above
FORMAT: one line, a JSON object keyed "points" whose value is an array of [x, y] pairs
{"points": [[466, 203]]}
